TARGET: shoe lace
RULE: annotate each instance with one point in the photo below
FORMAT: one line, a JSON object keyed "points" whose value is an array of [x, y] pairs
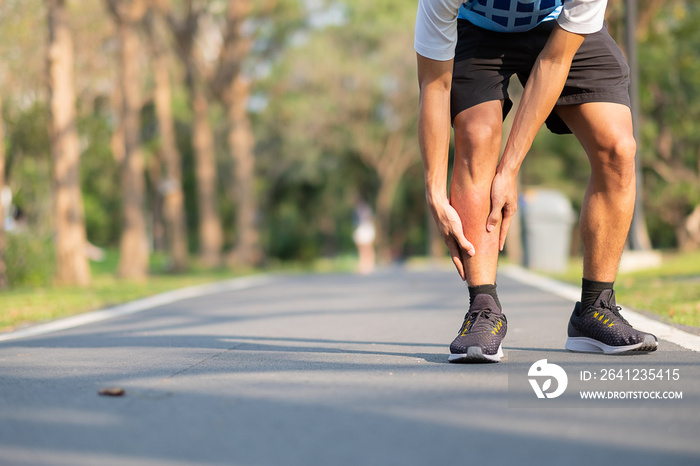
{"points": [[614, 308], [481, 320]]}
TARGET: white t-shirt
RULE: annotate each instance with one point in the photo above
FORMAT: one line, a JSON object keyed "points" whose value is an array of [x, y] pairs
{"points": [[436, 20]]}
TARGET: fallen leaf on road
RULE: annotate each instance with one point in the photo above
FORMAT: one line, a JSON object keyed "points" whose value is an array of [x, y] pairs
{"points": [[111, 391]]}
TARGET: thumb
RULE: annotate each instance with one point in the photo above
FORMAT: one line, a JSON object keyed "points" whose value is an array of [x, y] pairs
{"points": [[494, 218], [463, 242]]}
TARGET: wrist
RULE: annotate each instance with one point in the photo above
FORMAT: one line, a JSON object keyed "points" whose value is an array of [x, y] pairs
{"points": [[435, 197], [507, 169]]}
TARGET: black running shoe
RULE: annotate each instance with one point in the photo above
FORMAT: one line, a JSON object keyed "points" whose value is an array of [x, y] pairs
{"points": [[479, 339], [601, 329]]}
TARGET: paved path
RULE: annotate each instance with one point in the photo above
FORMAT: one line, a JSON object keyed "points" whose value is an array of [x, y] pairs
{"points": [[328, 370]]}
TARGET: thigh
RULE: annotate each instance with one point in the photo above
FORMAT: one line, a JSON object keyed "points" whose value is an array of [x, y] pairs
{"points": [[598, 74], [484, 62], [600, 127]]}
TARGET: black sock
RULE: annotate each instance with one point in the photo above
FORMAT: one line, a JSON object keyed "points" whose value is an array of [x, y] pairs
{"points": [[590, 290], [484, 289]]}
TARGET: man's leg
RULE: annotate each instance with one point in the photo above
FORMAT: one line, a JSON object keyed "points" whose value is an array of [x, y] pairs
{"points": [[605, 132], [477, 147]]}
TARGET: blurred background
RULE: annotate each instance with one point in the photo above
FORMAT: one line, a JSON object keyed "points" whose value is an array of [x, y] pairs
{"points": [[166, 136]]}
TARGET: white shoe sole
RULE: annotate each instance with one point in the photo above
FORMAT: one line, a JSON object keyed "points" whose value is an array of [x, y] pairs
{"points": [[589, 345], [474, 354]]}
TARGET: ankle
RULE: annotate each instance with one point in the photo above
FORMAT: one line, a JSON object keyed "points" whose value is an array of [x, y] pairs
{"points": [[489, 289], [590, 290]]}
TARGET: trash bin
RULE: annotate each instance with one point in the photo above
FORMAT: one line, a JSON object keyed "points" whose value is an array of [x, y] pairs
{"points": [[547, 218]]}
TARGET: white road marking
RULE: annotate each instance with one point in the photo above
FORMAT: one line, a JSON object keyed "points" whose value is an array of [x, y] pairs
{"points": [[573, 293], [139, 305]]}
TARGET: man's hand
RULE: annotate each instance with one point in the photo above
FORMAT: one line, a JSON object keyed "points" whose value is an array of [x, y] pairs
{"points": [[450, 226], [539, 97], [504, 203], [435, 81]]}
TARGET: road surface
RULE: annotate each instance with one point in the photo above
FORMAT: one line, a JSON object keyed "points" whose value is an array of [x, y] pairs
{"points": [[334, 370]]}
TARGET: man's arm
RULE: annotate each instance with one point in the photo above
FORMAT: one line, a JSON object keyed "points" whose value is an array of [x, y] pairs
{"points": [[539, 97], [435, 81]]}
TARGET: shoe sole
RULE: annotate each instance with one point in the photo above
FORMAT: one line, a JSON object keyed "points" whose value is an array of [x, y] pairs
{"points": [[589, 345], [474, 354]]}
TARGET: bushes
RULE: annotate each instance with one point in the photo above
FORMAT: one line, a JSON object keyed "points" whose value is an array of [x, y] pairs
{"points": [[29, 259]]}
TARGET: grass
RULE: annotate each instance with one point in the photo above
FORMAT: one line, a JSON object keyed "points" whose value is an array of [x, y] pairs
{"points": [[671, 291], [29, 305]]}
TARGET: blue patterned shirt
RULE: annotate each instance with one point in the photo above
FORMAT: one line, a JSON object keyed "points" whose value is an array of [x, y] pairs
{"points": [[509, 15], [436, 20]]}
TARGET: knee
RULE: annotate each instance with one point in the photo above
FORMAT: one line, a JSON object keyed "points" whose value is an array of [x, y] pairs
{"points": [[478, 136], [477, 146], [616, 161]]}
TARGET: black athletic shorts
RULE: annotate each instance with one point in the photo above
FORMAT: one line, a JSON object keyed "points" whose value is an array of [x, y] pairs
{"points": [[486, 60]]}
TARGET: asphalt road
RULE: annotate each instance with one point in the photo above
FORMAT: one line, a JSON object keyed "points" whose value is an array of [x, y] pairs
{"points": [[336, 370]]}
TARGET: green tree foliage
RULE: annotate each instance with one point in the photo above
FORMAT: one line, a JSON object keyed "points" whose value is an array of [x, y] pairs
{"points": [[342, 107], [101, 190], [333, 89], [28, 163], [30, 259], [668, 36], [670, 98]]}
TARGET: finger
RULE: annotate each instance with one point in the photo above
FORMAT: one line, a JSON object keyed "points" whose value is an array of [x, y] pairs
{"points": [[457, 233], [464, 243], [494, 217], [505, 226], [456, 256]]}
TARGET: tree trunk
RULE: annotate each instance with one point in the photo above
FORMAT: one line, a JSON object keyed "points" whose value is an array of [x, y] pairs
{"points": [[232, 86], [210, 233], [688, 232], [155, 205], [171, 186], [133, 260], [72, 266], [116, 142], [390, 164], [388, 183], [209, 221], [638, 234], [3, 268], [241, 144]]}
